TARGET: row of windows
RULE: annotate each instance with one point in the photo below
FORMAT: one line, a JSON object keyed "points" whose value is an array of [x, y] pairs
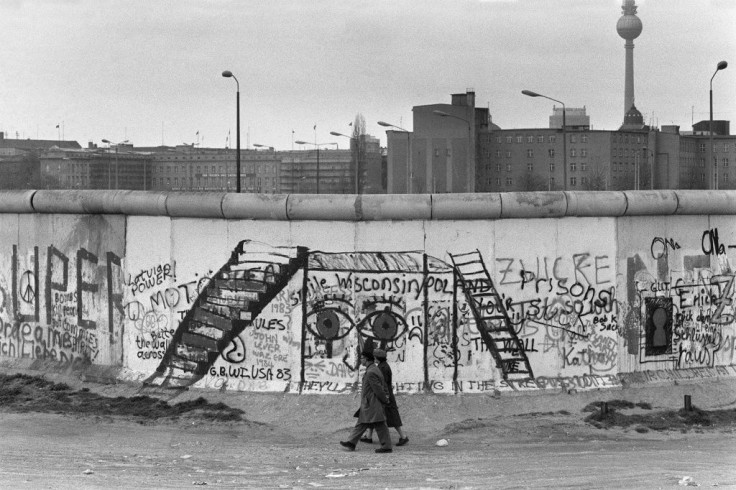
{"points": [[726, 147], [207, 181], [573, 181], [262, 169], [572, 138], [550, 152], [529, 139], [530, 167]]}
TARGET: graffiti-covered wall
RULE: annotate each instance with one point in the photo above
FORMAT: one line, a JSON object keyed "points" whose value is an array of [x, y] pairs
{"points": [[466, 305]]}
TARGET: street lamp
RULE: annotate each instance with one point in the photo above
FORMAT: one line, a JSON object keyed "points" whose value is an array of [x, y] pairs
{"points": [[316, 145], [109, 143], [713, 165], [229, 74], [409, 170], [564, 133], [445, 114]]}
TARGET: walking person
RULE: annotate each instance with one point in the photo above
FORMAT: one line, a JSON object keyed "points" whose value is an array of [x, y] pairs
{"points": [[371, 413], [393, 419]]}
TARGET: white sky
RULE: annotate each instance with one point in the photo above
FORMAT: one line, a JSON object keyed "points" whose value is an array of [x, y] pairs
{"points": [[149, 71]]}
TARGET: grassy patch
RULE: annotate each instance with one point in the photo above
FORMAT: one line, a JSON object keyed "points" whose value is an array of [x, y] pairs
{"points": [[682, 420], [23, 393]]}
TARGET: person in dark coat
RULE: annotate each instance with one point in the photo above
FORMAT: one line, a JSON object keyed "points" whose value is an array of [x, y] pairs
{"points": [[371, 413], [393, 419]]}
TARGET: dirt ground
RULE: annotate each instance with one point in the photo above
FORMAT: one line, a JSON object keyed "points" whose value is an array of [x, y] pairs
{"points": [[89, 435]]}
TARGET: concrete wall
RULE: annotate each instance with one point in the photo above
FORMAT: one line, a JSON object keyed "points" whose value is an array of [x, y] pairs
{"points": [[279, 293]]}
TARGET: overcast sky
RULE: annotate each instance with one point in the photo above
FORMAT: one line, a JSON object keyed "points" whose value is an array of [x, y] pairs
{"points": [[149, 71]]}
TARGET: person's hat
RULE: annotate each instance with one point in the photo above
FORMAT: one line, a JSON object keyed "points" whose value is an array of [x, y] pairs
{"points": [[379, 354], [368, 347]]}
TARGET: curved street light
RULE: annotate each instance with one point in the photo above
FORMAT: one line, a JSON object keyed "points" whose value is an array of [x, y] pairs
{"points": [[389, 125], [529, 93], [229, 74], [713, 165]]}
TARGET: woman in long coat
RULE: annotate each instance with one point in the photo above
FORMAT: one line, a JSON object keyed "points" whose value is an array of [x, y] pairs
{"points": [[371, 414], [393, 419]]}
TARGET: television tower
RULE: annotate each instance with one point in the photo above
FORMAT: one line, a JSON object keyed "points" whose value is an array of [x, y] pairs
{"points": [[629, 27]]}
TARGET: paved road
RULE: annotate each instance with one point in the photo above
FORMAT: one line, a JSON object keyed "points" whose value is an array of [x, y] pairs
{"points": [[55, 451]]}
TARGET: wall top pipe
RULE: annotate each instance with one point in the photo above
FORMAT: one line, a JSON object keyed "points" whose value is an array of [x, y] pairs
{"points": [[372, 207]]}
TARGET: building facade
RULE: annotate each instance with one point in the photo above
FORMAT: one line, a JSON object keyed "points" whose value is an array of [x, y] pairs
{"points": [[441, 154], [190, 169]]}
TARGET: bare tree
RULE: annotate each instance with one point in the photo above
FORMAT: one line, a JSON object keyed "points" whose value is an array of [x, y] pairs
{"points": [[598, 179], [358, 147], [532, 182]]}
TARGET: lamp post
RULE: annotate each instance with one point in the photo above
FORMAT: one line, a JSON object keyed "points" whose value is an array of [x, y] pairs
{"points": [[229, 74], [109, 144], [316, 145], [564, 133], [409, 170], [713, 165]]}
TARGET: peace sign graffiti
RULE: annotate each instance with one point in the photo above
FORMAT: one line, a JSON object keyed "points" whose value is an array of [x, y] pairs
{"points": [[27, 291]]}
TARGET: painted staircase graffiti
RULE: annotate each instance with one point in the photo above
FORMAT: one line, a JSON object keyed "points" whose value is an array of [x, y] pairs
{"points": [[231, 301], [374, 289], [491, 317]]}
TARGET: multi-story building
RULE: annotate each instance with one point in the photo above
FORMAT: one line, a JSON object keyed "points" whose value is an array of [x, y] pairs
{"points": [[19, 161], [189, 168], [441, 153], [96, 168]]}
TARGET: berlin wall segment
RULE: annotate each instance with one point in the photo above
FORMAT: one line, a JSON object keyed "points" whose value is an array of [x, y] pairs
{"points": [[557, 304]]}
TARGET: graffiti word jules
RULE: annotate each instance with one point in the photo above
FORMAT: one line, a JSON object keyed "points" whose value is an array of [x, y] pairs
{"points": [[150, 278]]}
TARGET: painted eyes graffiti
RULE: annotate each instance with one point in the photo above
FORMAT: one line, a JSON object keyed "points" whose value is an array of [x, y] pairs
{"points": [[329, 319], [383, 321]]}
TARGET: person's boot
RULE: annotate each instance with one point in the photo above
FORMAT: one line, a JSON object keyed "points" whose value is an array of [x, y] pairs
{"points": [[348, 445]]}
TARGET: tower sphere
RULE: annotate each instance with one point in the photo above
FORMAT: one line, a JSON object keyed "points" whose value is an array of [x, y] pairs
{"points": [[629, 27]]}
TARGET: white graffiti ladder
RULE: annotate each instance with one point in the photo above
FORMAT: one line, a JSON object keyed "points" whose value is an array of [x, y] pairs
{"points": [[490, 315], [231, 301]]}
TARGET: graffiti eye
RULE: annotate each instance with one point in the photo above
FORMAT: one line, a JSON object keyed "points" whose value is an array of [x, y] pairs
{"points": [[384, 323], [328, 321]]}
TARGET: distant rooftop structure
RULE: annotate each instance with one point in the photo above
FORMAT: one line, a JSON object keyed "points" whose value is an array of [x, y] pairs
{"points": [[7, 146], [575, 118]]}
